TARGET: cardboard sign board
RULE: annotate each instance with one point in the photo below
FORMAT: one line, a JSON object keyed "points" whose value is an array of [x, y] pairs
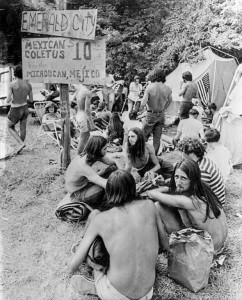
{"points": [[80, 24], [64, 60]]}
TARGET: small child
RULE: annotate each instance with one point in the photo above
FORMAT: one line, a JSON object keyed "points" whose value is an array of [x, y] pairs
{"points": [[218, 153]]}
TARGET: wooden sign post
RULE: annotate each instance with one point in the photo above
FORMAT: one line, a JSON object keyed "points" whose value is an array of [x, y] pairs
{"points": [[65, 113], [71, 55]]}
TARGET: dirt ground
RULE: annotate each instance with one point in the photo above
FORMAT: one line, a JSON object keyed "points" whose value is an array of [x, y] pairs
{"points": [[36, 245]]}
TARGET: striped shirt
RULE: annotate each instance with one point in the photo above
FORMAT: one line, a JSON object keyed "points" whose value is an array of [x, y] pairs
{"points": [[212, 176]]}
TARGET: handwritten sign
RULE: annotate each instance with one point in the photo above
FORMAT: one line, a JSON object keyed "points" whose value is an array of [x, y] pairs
{"points": [[64, 60], [80, 24]]}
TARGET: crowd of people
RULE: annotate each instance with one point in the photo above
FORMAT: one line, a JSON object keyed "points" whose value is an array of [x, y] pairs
{"points": [[136, 230]]}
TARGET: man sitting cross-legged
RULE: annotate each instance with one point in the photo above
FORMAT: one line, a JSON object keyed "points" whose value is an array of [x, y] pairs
{"points": [[82, 181], [132, 233]]}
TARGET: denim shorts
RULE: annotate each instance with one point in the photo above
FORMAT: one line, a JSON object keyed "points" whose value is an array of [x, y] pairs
{"points": [[17, 114]]}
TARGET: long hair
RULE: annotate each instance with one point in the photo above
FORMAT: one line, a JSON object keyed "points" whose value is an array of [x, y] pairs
{"points": [[120, 189], [93, 149], [137, 150], [197, 187], [115, 124]]}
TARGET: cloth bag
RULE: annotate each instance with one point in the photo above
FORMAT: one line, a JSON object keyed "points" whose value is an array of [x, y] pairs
{"points": [[190, 258]]}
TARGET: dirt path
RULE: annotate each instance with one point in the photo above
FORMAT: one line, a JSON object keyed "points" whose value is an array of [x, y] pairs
{"points": [[36, 245]]}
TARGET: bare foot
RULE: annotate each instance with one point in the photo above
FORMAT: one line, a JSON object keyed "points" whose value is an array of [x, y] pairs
{"points": [[20, 149]]}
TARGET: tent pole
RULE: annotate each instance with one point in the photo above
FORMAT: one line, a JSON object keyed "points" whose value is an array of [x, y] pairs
{"points": [[214, 72], [226, 100], [225, 53]]}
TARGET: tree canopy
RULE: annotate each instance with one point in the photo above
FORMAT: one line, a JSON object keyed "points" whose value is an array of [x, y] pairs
{"points": [[142, 34]]}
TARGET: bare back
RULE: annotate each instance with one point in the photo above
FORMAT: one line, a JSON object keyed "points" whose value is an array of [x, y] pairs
{"points": [[131, 238], [216, 227], [20, 90], [75, 176], [158, 95], [81, 95]]}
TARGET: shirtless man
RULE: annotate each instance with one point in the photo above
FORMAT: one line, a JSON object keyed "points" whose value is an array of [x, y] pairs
{"points": [[84, 120], [188, 92], [190, 202], [158, 97], [18, 91], [132, 247], [85, 183]]}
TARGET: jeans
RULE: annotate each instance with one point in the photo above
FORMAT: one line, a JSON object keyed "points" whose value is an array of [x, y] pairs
{"points": [[154, 123]]}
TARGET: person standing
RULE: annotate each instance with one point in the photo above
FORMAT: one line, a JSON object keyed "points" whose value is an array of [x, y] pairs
{"points": [[83, 117], [108, 91], [18, 91], [188, 91], [158, 97], [135, 89]]}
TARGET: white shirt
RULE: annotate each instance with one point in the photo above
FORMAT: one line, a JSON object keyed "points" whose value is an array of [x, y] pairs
{"points": [[221, 157], [190, 128], [134, 90]]}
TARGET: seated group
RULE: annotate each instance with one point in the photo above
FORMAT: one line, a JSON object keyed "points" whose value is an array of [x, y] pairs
{"points": [[135, 230]]}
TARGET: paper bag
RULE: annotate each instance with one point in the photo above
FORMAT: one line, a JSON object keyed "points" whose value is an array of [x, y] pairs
{"points": [[190, 258]]}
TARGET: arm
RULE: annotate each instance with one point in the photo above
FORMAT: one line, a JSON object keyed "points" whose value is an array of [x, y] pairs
{"points": [[110, 161], [87, 109], [93, 176], [81, 253], [178, 201], [178, 131], [155, 161], [31, 94], [145, 98], [168, 101], [9, 95], [178, 135], [128, 163], [182, 90]]}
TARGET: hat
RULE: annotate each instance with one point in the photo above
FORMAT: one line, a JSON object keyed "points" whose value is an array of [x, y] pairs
{"points": [[49, 104], [136, 77]]}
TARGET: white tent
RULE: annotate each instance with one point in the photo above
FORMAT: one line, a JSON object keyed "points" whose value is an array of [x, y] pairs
{"points": [[218, 72], [230, 122]]}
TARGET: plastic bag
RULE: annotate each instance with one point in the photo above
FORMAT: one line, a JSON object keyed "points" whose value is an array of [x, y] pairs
{"points": [[5, 150], [190, 258]]}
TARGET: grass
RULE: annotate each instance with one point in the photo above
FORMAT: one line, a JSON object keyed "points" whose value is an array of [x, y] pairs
{"points": [[36, 245]]}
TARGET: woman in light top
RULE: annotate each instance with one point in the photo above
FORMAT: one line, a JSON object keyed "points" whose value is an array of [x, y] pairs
{"points": [[135, 89]]}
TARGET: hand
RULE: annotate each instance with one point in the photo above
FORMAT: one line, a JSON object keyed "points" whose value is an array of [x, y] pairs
{"points": [[149, 175], [92, 127]]}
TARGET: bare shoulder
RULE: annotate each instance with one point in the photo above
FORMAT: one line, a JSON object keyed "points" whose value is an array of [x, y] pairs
{"points": [[146, 206], [78, 163]]}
